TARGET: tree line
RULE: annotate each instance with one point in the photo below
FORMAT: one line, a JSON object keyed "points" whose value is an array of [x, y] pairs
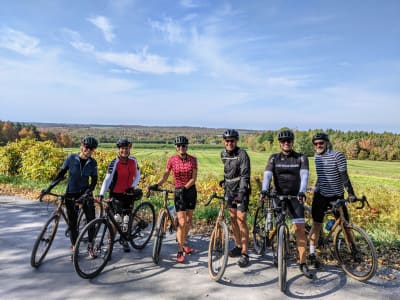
{"points": [[355, 144]]}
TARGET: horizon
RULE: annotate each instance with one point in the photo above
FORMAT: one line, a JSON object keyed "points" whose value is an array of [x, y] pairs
{"points": [[213, 64]]}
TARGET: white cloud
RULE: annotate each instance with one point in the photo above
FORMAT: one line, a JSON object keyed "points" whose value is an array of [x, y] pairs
{"points": [[19, 42], [145, 62], [76, 41], [105, 26], [172, 30], [189, 3]]}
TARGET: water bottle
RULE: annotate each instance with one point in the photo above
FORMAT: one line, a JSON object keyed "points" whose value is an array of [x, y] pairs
{"points": [[329, 225], [268, 223], [172, 211], [125, 223], [118, 218]]}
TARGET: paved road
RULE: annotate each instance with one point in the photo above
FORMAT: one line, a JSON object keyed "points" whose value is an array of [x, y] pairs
{"points": [[134, 276]]}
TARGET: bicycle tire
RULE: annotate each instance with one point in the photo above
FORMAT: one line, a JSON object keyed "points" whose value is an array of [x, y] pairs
{"points": [[218, 250], [282, 257], [259, 232], [99, 211], [274, 248], [103, 239], [44, 241], [142, 225], [360, 261], [159, 237]]}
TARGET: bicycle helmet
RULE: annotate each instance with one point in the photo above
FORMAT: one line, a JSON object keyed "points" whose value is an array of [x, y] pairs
{"points": [[320, 136], [230, 134], [286, 135], [123, 143], [181, 140], [90, 142]]}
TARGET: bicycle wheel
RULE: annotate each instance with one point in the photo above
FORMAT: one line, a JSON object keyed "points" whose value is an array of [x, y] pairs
{"points": [[159, 237], [142, 227], [218, 251], [282, 257], [98, 209], [274, 247], [259, 232], [87, 266], [44, 240], [358, 258]]}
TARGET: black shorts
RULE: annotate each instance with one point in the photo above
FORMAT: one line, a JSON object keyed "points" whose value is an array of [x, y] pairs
{"points": [[295, 209], [243, 206], [321, 204], [188, 200]]}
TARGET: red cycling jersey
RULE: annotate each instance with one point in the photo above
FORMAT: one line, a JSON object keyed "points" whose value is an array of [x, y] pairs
{"points": [[126, 175], [182, 169]]}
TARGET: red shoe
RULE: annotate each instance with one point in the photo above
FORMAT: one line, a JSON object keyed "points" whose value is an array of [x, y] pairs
{"points": [[180, 258], [188, 250]]}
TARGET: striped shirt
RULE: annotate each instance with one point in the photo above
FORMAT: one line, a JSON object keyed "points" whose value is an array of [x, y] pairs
{"points": [[329, 165]]}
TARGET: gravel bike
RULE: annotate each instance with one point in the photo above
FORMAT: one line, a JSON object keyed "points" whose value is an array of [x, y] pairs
{"points": [[48, 232], [165, 222], [90, 257], [218, 248], [353, 248]]}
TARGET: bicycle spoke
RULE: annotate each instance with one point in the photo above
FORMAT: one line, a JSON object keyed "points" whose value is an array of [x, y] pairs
{"points": [[142, 226]]}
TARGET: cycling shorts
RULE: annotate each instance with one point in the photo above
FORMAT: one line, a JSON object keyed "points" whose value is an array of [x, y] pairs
{"points": [[188, 200], [295, 209], [243, 206], [321, 204]]}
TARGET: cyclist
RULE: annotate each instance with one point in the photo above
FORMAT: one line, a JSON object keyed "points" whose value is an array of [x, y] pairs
{"points": [[332, 179], [184, 169], [122, 177], [81, 167], [237, 191], [290, 172]]}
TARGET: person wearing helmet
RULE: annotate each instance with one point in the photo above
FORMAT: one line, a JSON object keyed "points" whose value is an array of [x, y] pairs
{"points": [[80, 167], [184, 169], [290, 170], [123, 175], [332, 180], [237, 191]]}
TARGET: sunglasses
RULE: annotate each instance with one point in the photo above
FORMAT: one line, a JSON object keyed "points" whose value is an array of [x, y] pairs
{"points": [[286, 141], [319, 143], [230, 141], [89, 148], [181, 145]]}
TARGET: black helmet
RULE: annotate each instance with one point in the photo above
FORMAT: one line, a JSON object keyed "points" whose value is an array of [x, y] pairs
{"points": [[181, 140], [90, 142], [320, 136], [123, 143], [230, 134], [286, 135]]}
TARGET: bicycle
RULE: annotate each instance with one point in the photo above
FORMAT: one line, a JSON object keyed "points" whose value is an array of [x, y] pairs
{"points": [[163, 220], [353, 248], [90, 258], [218, 248], [264, 230], [48, 232]]}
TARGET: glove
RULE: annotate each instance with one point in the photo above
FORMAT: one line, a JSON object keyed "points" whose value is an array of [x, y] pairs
{"points": [[239, 198], [265, 194], [301, 197], [352, 198], [153, 187], [129, 190], [180, 191], [222, 183]]}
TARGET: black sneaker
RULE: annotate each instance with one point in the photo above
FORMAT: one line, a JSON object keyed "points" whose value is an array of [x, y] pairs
{"points": [[314, 261], [126, 247], [235, 252], [243, 260], [306, 272]]}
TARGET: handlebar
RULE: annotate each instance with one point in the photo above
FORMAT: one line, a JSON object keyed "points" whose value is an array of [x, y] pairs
{"points": [[340, 202], [44, 193], [212, 196], [149, 190]]}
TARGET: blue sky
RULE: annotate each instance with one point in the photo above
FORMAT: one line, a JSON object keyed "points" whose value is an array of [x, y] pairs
{"points": [[226, 64]]}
